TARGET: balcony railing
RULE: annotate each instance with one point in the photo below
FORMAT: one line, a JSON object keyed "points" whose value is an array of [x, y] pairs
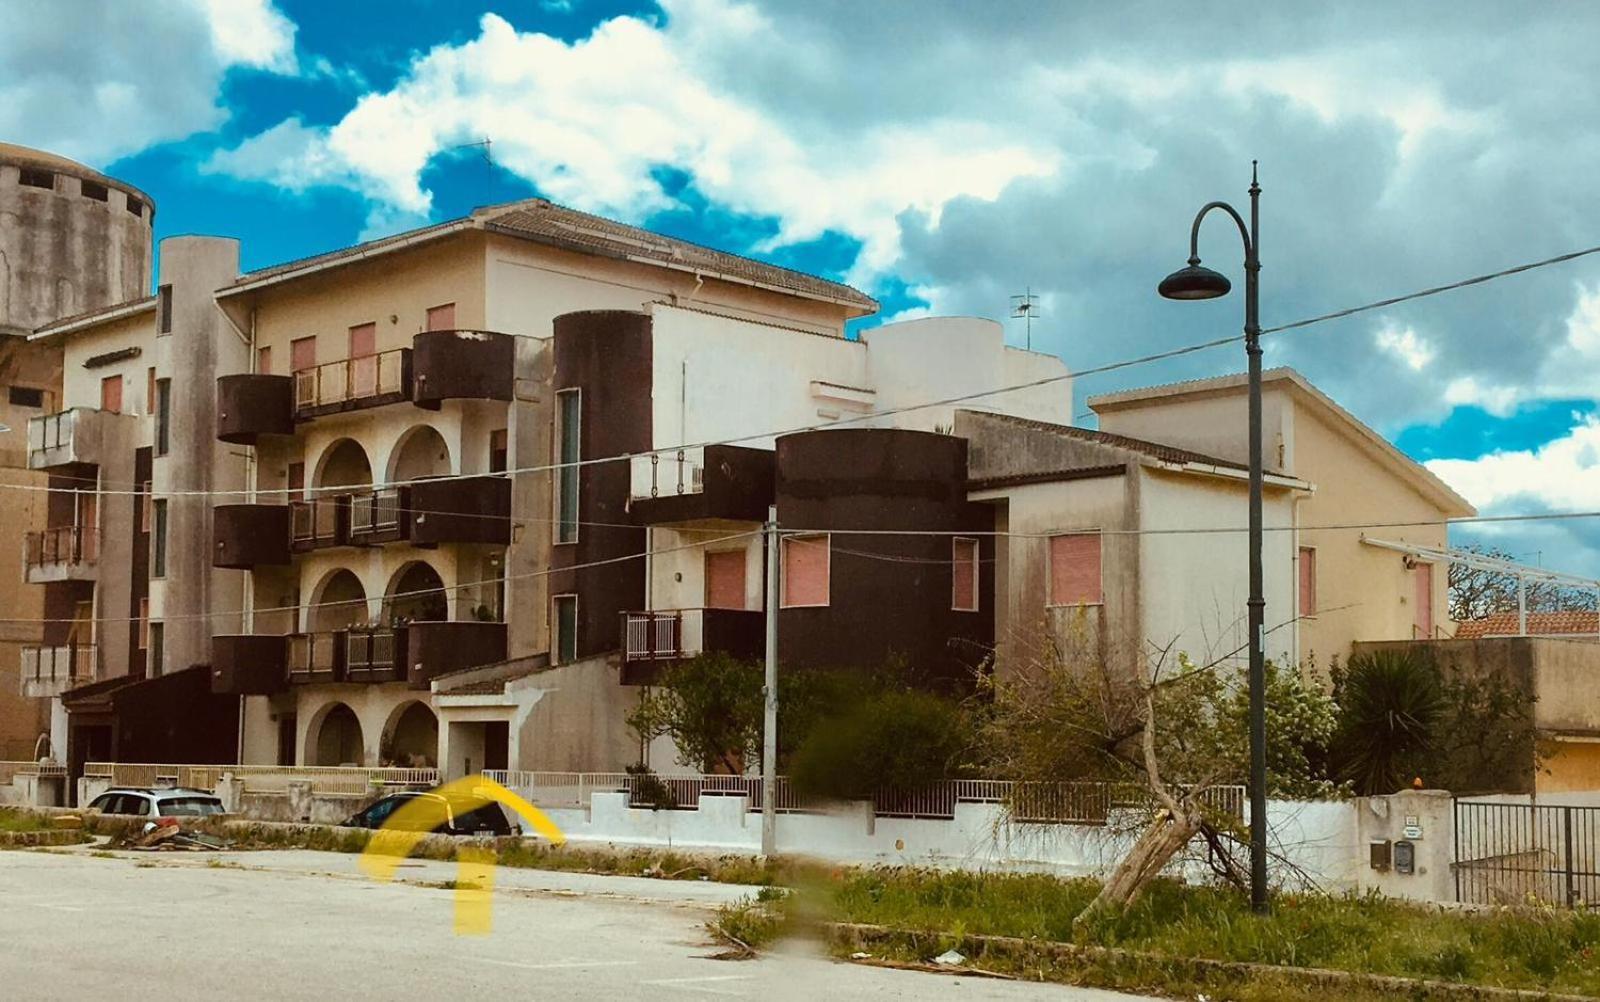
{"points": [[651, 640], [78, 435], [377, 516], [59, 549], [662, 474], [350, 383], [317, 657], [661, 636], [318, 523], [50, 671], [371, 655], [726, 482]]}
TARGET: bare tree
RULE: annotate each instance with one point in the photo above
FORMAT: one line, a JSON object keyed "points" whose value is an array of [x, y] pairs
{"points": [[1476, 593]]}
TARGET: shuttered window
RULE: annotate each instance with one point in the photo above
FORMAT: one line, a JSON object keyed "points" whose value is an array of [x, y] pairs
{"points": [[1308, 581], [569, 431], [725, 583], [1075, 569], [442, 318], [964, 575], [805, 571]]}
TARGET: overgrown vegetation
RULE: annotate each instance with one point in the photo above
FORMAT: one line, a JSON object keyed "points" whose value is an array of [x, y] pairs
{"points": [[893, 740], [23, 821]]}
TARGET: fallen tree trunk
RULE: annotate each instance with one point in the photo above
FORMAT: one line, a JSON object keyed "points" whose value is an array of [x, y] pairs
{"points": [[1166, 835]]}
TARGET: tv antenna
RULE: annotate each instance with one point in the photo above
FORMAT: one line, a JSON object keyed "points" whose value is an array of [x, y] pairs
{"points": [[485, 144], [1026, 306]]}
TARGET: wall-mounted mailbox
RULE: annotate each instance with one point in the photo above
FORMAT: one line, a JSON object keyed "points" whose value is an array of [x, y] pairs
{"points": [[1405, 857], [1379, 854]]}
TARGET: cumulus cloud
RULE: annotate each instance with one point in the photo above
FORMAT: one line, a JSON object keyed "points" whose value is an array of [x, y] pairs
{"points": [[126, 76]]}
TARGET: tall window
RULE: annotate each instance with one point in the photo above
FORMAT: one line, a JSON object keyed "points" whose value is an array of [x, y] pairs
{"points": [[1422, 622], [1075, 569], [144, 623], [158, 645], [146, 507], [264, 360], [1308, 581], [569, 437], [158, 540], [805, 571], [964, 575], [163, 416], [111, 394], [725, 580], [442, 318], [303, 353], [150, 390], [565, 625], [499, 453], [164, 310]]}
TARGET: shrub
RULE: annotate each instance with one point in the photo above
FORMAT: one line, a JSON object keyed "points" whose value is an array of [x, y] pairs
{"points": [[898, 740], [1392, 704]]}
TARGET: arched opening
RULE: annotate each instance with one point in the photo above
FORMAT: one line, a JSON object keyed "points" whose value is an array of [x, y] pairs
{"points": [[340, 603], [416, 593], [338, 738], [420, 453], [412, 738], [344, 464]]}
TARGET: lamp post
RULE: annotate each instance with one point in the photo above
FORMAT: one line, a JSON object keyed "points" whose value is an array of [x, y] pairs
{"points": [[1196, 282]]}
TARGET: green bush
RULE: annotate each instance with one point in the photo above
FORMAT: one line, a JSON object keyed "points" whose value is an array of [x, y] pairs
{"points": [[898, 740]]}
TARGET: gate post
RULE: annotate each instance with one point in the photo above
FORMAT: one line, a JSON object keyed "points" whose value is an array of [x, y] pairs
{"points": [[1566, 851]]}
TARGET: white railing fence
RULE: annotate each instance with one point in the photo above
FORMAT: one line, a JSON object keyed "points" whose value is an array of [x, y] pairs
{"points": [[350, 780], [11, 770], [664, 474]]}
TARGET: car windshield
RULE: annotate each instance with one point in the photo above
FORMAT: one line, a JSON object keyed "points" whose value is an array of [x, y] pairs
{"points": [[190, 806]]}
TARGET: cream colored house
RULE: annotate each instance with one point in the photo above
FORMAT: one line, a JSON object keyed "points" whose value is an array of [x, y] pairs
{"points": [[1360, 486]]}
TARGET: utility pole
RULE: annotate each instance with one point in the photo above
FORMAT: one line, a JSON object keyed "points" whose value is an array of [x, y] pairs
{"points": [[769, 692]]}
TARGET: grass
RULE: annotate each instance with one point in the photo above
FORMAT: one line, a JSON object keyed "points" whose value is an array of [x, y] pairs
{"points": [[23, 821]]}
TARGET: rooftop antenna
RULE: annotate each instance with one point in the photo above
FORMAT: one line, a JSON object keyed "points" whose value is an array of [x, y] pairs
{"points": [[1026, 306], [485, 144]]}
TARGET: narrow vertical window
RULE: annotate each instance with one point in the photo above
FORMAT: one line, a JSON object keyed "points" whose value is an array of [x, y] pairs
{"points": [[569, 438], [964, 575], [150, 390], [499, 451], [805, 571], [163, 416], [111, 394], [164, 310], [1075, 569], [145, 507], [1308, 581], [144, 623], [1422, 623], [158, 540], [566, 628], [442, 317], [158, 644], [264, 360]]}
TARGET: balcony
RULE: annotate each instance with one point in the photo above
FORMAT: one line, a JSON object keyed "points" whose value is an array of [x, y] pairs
{"points": [[378, 516], [65, 553], [249, 664], [414, 653], [353, 384], [434, 648], [470, 510], [50, 671], [463, 365], [79, 435], [250, 405], [374, 654], [687, 485], [318, 524], [653, 640], [249, 535], [316, 657]]}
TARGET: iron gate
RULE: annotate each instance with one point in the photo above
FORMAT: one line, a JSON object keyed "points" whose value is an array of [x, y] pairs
{"points": [[1521, 853]]}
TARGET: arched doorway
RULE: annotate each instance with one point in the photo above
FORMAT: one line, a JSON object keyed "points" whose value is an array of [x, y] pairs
{"points": [[344, 464], [338, 738], [412, 738], [420, 453], [416, 593], [340, 603]]}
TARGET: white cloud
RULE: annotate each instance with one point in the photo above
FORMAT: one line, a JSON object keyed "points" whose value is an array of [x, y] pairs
{"points": [[1563, 474], [1406, 345], [251, 33], [590, 122]]}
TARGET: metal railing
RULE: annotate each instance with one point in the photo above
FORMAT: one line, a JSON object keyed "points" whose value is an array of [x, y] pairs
{"points": [[58, 666], [314, 652], [375, 512], [661, 474], [11, 770], [316, 522], [351, 380], [51, 431], [369, 649], [663, 635], [1514, 854], [65, 544], [334, 779], [559, 789]]}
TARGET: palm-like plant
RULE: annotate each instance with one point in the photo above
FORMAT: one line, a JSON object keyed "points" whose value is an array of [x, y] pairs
{"points": [[1391, 704]]}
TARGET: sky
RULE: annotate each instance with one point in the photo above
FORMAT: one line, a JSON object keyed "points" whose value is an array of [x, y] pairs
{"points": [[942, 156]]}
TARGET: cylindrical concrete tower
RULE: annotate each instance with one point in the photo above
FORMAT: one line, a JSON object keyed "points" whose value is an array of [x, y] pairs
{"points": [[71, 239]]}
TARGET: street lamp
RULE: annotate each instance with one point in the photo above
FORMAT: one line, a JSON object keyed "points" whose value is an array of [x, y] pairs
{"points": [[1197, 282]]}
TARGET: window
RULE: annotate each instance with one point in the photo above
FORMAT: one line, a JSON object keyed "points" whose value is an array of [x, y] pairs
{"points": [[805, 571], [158, 541], [135, 206], [164, 310], [144, 624], [499, 453], [264, 360], [33, 177], [303, 353], [1422, 616], [1075, 569], [145, 507], [150, 390], [725, 581], [163, 416], [566, 629], [26, 396], [964, 575], [1308, 581], [92, 189], [111, 394], [442, 318], [569, 432], [158, 636], [295, 479]]}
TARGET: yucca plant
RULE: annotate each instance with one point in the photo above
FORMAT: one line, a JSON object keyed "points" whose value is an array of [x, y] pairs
{"points": [[1391, 705]]}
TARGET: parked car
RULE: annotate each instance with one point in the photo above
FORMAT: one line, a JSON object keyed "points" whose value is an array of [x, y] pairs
{"points": [[462, 816], [146, 802]]}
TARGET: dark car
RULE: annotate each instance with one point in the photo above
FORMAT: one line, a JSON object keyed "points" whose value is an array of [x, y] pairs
{"points": [[462, 816]]}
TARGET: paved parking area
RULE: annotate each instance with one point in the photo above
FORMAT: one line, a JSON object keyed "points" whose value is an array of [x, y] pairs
{"points": [[302, 925]]}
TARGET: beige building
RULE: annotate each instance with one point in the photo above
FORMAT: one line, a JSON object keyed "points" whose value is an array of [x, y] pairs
{"points": [[1361, 486]]}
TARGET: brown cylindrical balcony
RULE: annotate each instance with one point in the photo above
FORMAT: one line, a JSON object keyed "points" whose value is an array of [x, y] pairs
{"points": [[249, 664], [434, 648], [471, 510], [462, 365], [249, 535], [251, 404]]}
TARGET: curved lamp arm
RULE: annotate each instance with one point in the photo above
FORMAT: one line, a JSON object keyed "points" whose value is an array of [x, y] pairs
{"points": [[1194, 232]]}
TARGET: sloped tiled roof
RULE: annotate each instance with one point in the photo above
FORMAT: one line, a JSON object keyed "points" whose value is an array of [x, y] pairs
{"points": [[1544, 624]]}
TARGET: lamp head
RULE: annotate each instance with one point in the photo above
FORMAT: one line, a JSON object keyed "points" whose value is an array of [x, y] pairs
{"points": [[1194, 282]]}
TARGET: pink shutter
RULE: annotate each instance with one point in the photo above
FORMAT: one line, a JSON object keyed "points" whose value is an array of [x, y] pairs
{"points": [[264, 361], [1308, 581], [1075, 569], [442, 318], [1422, 620], [805, 570], [303, 353], [725, 579], [964, 575], [111, 394]]}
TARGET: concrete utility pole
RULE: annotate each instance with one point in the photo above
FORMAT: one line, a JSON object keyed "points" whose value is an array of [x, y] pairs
{"points": [[769, 692]]}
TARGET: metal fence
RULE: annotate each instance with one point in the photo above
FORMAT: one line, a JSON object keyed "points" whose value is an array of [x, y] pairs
{"points": [[11, 770], [351, 379], [349, 780], [1527, 853], [66, 544]]}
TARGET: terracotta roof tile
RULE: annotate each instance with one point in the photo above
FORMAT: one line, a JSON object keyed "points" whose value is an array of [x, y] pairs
{"points": [[1544, 624]]}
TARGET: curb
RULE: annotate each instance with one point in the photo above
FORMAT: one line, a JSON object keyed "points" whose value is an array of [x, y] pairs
{"points": [[1116, 968]]}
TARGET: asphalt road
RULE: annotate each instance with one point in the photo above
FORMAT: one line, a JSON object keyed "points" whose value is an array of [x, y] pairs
{"points": [[302, 925]]}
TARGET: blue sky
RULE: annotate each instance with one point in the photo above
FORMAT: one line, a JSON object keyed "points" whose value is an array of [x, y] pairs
{"points": [[941, 156]]}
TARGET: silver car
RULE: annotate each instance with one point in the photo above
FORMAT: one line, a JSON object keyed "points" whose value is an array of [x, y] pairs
{"points": [[145, 802]]}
